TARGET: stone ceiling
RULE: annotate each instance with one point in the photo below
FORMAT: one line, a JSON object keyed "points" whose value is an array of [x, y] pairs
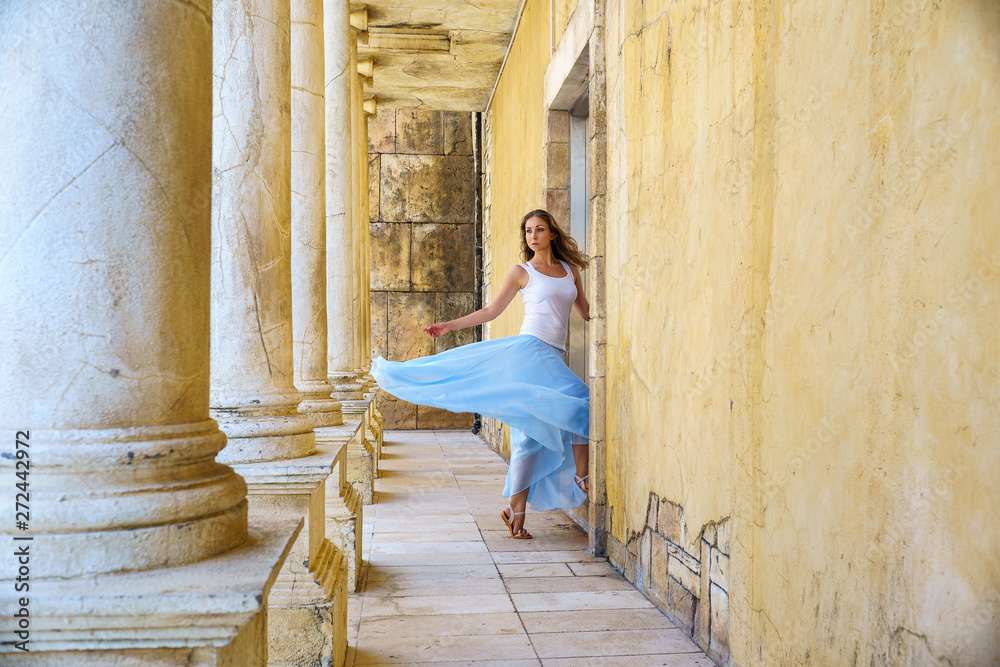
{"points": [[437, 54]]}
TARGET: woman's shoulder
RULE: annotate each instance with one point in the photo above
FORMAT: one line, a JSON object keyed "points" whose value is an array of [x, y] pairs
{"points": [[519, 273]]}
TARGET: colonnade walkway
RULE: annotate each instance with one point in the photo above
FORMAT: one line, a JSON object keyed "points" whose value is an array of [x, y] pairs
{"points": [[443, 581]]}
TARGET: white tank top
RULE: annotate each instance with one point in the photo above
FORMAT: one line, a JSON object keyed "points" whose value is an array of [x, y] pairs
{"points": [[547, 302]]}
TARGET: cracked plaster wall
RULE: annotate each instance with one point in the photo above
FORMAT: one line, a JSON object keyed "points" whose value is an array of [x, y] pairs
{"points": [[802, 286], [803, 255], [513, 171]]}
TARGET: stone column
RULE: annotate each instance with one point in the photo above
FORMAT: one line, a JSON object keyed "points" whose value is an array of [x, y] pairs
{"points": [[374, 415], [309, 310], [340, 243], [362, 456], [104, 376], [272, 445], [360, 189], [253, 398], [366, 70]]}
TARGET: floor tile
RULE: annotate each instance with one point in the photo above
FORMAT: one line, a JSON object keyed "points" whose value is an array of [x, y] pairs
{"points": [[668, 660], [478, 663], [443, 582], [458, 572], [393, 650], [612, 642], [428, 547], [585, 600], [443, 625], [545, 557], [475, 558], [436, 586], [434, 604], [589, 620], [591, 569], [566, 584], [535, 570]]}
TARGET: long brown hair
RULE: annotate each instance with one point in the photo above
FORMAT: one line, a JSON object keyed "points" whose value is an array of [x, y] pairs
{"points": [[563, 245]]}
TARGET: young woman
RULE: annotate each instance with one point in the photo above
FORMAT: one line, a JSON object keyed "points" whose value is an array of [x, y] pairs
{"points": [[521, 380]]}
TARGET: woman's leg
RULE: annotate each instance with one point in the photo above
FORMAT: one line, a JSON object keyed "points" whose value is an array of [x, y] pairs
{"points": [[581, 454], [518, 502]]}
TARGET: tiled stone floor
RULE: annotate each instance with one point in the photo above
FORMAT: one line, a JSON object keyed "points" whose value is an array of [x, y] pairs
{"points": [[443, 581]]}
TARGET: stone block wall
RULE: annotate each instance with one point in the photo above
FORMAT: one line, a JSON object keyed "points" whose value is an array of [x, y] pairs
{"points": [[496, 435], [685, 575], [423, 241]]}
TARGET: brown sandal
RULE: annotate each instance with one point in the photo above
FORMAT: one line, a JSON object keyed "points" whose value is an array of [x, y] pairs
{"points": [[521, 534]]}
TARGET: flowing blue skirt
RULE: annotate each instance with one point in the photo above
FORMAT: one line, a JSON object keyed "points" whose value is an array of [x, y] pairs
{"points": [[525, 383]]}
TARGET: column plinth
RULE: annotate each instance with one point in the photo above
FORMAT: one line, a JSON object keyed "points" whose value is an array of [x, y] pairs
{"points": [[108, 500]]}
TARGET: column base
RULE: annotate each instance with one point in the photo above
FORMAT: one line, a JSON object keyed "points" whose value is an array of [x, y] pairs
{"points": [[319, 404], [262, 426], [207, 613], [345, 386], [377, 422], [361, 377], [344, 525]]}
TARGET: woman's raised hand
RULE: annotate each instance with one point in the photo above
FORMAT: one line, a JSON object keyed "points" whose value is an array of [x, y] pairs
{"points": [[437, 330]]}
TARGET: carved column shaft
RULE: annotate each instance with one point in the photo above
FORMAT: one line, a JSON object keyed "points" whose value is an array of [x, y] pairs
{"points": [[339, 218], [366, 236], [356, 179], [309, 307], [253, 394]]}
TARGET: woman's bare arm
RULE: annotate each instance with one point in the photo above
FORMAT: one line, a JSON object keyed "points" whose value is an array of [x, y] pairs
{"points": [[581, 304], [516, 278]]}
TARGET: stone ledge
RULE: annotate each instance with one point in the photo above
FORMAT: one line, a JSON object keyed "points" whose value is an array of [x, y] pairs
{"points": [[355, 407], [198, 604], [334, 435], [301, 474]]}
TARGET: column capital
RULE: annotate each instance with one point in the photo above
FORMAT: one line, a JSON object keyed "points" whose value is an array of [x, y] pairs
{"points": [[370, 105]]}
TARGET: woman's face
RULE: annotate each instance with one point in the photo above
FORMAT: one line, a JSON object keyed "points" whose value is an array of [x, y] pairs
{"points": [[537, 234]]}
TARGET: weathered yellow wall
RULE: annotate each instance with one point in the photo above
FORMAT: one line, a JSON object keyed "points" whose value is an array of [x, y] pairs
{"points": [[673, 261], [517, 120], [561, 11], [803, 290], [803, 256]]}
